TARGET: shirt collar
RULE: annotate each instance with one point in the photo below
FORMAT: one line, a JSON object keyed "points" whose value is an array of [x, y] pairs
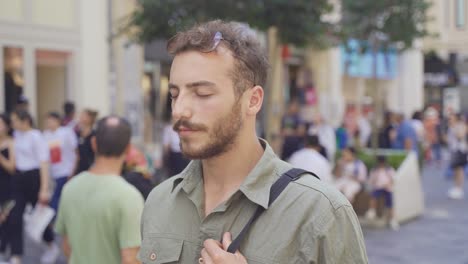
{"points": [[256, 186]]}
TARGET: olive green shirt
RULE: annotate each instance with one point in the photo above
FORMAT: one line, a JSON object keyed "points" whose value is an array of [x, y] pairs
{"points": [[310, 222]]}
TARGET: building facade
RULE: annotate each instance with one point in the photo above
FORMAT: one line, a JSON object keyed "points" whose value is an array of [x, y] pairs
{"points": [[449, 86], [52, 51]]}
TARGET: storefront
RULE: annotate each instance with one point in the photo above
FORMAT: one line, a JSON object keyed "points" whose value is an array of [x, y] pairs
{"points": [[440, 85], [52, 51]]}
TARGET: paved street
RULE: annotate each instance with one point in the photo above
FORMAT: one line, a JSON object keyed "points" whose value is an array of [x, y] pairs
{"points": [[440, 236]]}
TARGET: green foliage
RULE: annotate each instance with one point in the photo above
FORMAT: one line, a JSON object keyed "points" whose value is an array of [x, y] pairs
{"points": [[298, 21], [369, 156], [395, 23]]}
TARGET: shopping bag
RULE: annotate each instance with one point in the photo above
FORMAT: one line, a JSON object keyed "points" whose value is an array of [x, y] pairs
{"points": [[37, 221]]}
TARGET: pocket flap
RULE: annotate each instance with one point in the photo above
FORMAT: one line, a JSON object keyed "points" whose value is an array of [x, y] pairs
{"points": [[160, 250]]}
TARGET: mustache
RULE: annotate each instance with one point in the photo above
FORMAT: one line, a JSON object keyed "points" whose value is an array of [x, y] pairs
{"points": [[188, 125]]}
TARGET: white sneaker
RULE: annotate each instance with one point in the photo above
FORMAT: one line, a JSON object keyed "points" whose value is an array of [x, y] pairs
{"points": [[370, 214], [456, 193], [51, 254], [394, 224]]}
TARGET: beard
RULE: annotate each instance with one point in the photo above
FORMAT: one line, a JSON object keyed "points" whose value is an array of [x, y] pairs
{"points": [[221, 138]]}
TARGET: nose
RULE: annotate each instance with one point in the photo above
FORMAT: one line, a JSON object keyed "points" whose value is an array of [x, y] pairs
{"points": [[181, 108]]}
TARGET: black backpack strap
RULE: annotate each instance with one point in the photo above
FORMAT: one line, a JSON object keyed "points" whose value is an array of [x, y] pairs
{"points": [[275, 191]]}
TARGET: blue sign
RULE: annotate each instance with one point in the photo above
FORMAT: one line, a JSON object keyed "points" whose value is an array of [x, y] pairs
{"points": [[355, 63]]}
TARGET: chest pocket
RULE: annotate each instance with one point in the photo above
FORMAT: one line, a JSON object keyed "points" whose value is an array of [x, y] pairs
{"points": [[156, 250]]}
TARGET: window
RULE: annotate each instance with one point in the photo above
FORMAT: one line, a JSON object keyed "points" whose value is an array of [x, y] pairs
{"points": [[460, 11]]}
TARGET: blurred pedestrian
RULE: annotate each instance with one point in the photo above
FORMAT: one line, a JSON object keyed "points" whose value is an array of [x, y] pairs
{"points": [[136, 172], [388, 132], [216, 83], [7, 169], [381, 181], [85, 156], [292, 130], [326, 135], [365, 130], [30, 184], [353, 174], [342, 137], [433, 135], [174, 159], [99, 214], [418, 126], [406, 136], [309, 159], [458, 145], [62, 144], [69, 116]]}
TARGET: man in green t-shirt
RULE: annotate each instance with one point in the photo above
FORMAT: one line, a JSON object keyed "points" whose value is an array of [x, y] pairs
{"points": [[99, 213]]}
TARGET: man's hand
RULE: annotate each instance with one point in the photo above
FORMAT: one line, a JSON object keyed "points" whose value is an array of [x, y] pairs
{"points": [[215, 253]]}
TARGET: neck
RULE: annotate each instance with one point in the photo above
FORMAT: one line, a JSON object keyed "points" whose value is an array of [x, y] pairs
{"points": [[225, 173], [107, 166], [85, 130]]}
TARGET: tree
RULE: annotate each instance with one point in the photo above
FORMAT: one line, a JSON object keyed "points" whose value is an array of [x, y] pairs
{"points": [[383, 25], [299, 22]]}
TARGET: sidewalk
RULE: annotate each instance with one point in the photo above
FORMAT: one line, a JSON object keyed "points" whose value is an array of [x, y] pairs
{"points": [[439, 236]]}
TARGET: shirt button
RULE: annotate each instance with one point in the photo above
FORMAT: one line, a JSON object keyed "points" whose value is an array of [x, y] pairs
{"points": [[153, 256]]}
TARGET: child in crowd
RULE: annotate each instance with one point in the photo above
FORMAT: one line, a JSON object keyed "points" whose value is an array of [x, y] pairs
{"points": [[381, 181]]}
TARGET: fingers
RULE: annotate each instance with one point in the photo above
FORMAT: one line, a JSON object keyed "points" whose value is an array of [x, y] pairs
{"points": [[227, 240], [213, 247], [205, 258]]}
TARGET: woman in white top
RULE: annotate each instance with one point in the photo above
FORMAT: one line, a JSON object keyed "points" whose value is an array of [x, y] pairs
{"points": [[30, 184], [458, 145]]}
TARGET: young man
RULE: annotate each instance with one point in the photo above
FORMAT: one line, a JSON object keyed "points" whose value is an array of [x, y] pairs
{"points": [[99, 212], [62, 144], [216, 88]]}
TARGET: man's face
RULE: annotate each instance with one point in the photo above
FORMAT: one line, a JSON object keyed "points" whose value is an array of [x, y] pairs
{"points": [[206, 113]]}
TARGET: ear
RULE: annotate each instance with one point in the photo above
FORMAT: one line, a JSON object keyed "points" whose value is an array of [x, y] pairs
{"points": [[94, 144], [255, 100]]}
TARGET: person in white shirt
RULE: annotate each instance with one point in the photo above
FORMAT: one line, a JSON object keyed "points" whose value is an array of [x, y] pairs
{"points": [[175, 161], [365, 130], [326, 135], [31, 182], [310, 159], [381, 181], [353, 174], [62, 142]]}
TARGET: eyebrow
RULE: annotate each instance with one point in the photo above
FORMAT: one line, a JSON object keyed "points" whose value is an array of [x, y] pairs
{"points": [[193, 85]]}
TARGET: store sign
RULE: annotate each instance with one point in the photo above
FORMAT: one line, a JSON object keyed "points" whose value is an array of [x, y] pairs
{"points": [[436, 79], [356, 63]]}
